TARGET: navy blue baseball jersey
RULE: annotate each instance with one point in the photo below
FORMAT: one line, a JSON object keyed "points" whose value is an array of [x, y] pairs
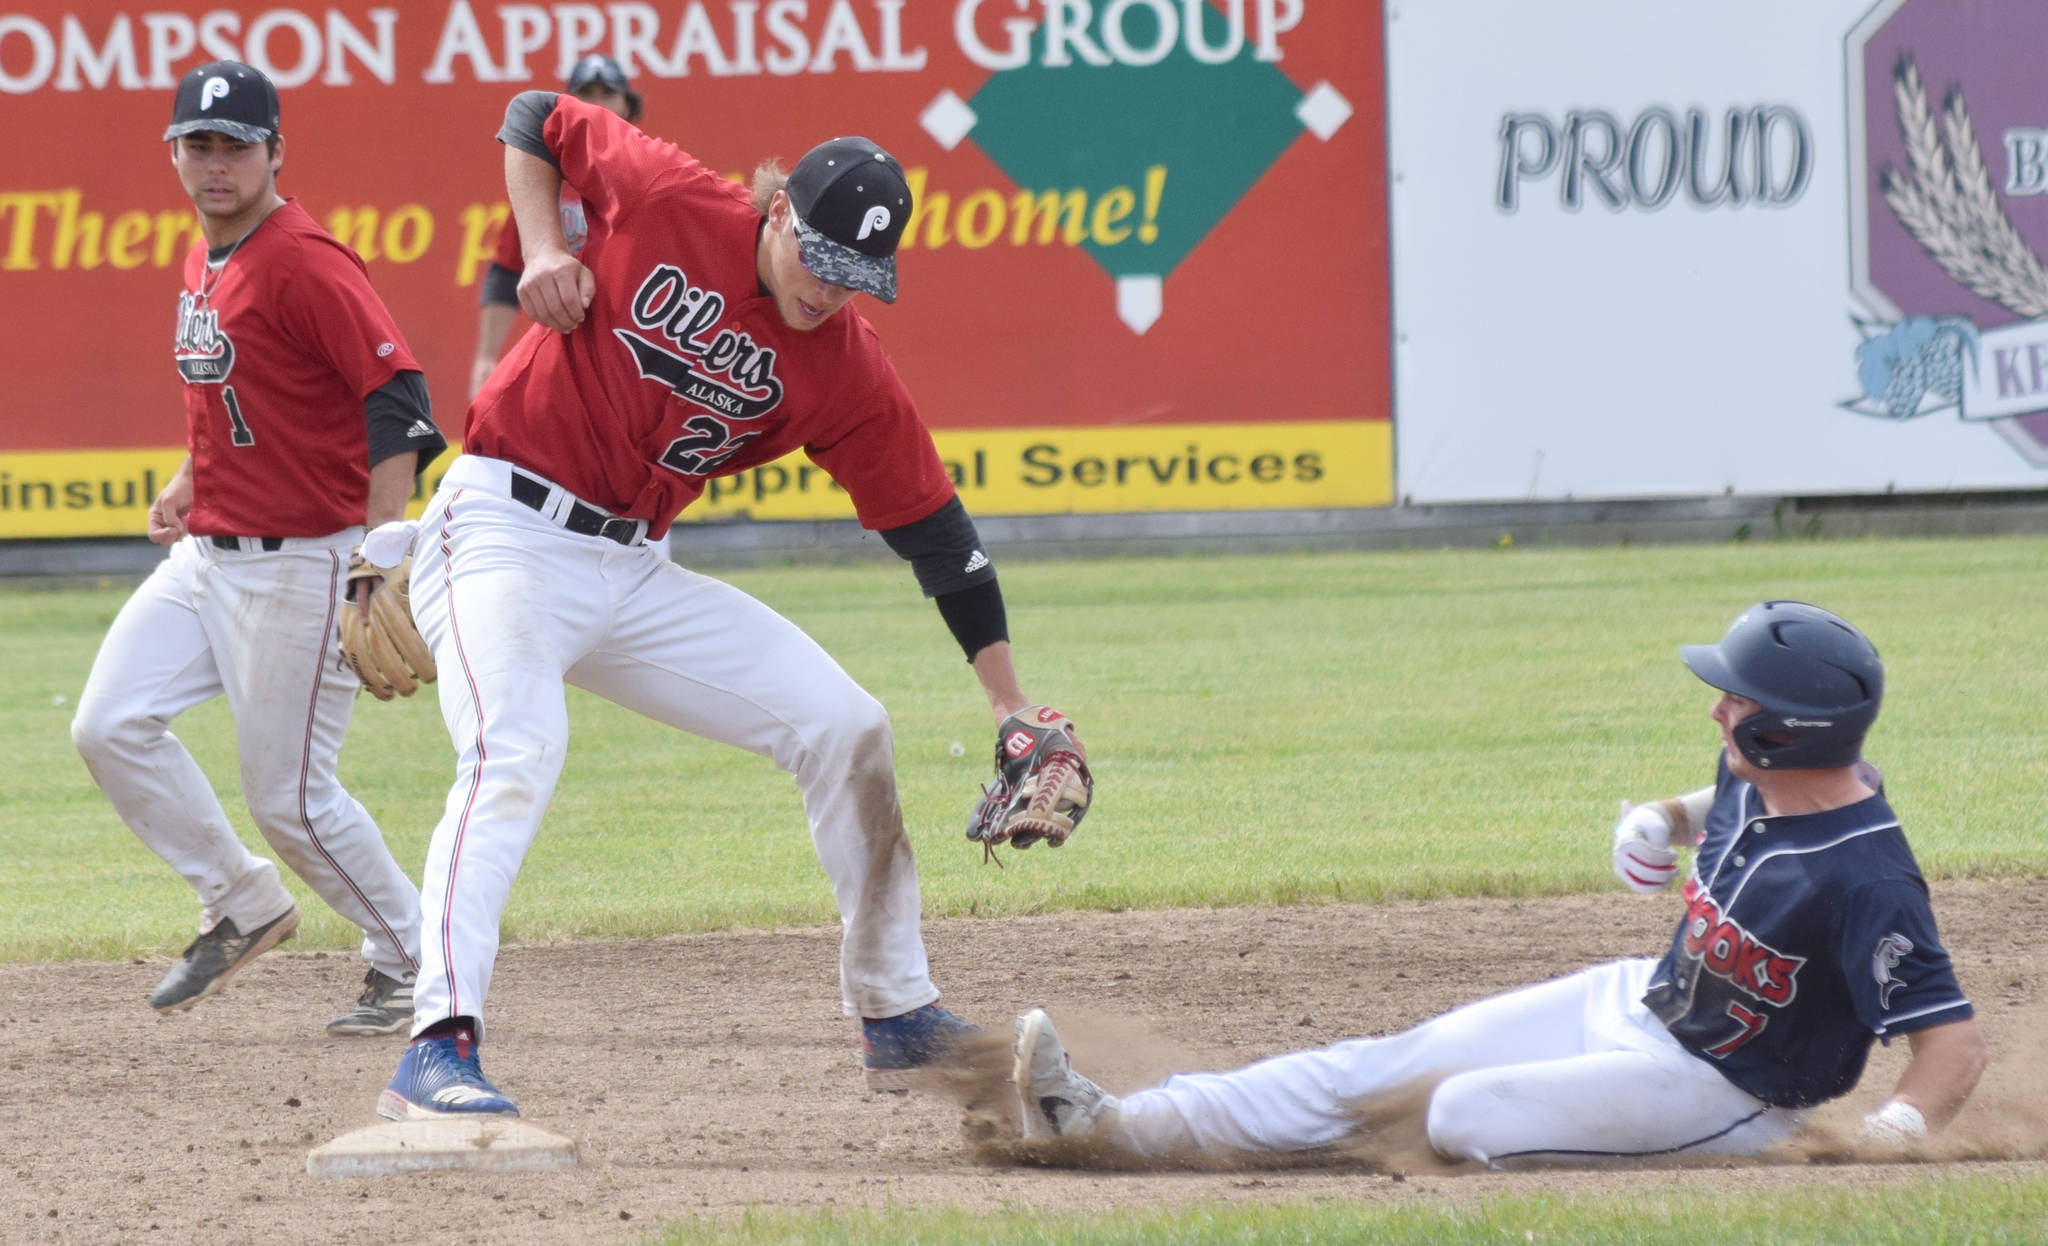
{"points": [[1805, 936]]}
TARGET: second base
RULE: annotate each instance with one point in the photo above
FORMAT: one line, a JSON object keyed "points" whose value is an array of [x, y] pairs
{"points": [[478, 1144]]}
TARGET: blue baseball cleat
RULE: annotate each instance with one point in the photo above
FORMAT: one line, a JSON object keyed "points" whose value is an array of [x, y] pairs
{"points": [[438, 1077], [895, 1048]]}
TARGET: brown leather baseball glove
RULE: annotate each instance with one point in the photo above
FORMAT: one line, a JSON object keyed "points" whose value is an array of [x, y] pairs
{"points": [[1042, 785], [382, 644]]}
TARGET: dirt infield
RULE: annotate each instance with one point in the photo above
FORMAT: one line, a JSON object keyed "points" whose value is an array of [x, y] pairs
{"points": [[705, 1074]]}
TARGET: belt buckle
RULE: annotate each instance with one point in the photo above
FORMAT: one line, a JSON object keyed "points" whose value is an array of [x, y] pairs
{"points": [[618, 530]]}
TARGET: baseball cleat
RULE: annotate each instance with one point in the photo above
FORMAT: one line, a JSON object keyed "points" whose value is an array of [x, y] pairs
{"points": [[384, 1007], [214, 957], [893, 1049], [439, 1077], [1055, 1101]]}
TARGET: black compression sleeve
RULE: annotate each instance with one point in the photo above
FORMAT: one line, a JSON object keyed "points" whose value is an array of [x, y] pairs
{"points": [[398, 418], [500, 285], [524, 117], [943, 550], [975, 616]]}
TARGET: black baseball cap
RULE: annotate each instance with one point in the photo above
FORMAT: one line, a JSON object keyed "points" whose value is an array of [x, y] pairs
{"points": [[605, 71], [225, 97], [851, 206]]}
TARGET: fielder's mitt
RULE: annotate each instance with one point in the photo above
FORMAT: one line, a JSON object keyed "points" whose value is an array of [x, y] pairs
{"points": [[1042, 785], [385, 648]]}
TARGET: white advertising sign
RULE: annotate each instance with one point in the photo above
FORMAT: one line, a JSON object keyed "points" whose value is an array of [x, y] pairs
{"points": [[1678, 250]]}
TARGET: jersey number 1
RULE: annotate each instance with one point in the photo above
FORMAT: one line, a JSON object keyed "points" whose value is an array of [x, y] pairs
{"points": [[240, 433]]}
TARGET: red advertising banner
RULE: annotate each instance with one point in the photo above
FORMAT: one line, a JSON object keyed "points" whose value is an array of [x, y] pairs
{"points": [[1147, 271]]}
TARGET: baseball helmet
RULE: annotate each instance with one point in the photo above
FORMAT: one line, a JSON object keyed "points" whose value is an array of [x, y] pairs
{"points": [[596, 70], [1817, 679]]}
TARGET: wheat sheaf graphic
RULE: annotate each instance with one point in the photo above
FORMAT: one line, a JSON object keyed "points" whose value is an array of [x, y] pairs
{"points": [[1948, 203]]}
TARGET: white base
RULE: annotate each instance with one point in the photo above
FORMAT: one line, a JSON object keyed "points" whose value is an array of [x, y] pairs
{"points": [[478, 1144]]}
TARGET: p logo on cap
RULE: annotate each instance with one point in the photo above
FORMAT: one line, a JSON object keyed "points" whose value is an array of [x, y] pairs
{"points": [[215, 89], [877, 218]]}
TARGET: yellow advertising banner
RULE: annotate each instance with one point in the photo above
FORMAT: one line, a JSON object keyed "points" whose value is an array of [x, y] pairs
{"points": [[1045, 471]]}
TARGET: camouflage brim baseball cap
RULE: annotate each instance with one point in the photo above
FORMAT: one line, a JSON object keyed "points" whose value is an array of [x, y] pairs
{"points": [[225, 97], [851, 207]]}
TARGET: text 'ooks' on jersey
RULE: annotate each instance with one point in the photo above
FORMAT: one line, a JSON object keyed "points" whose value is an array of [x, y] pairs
{"points": [[683, 369], [1804, 937], [278, 347]]}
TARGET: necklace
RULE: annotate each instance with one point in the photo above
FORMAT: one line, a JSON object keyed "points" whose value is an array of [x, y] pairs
{"points": [[210, 275]]}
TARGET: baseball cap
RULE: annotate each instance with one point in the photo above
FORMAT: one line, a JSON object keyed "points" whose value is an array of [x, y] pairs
{"points": [[851, 206], [225, 97], [603, 70]]}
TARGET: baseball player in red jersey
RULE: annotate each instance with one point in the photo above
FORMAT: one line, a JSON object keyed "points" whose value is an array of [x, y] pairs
{"points": [[595, 80], [306, 418], [1806, 934], [704, 329]]}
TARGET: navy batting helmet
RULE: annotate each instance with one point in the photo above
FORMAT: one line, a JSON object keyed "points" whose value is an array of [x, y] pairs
{"points": [[1818, 680]]}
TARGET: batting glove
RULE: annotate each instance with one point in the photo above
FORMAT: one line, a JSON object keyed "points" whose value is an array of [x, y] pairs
{"points": [[1643, 855], [1895, 1124]]}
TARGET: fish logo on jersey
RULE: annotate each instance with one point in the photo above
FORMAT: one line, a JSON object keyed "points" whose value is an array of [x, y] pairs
{"points": [[1726, 950], [1890, 950], [205, 355], [723, 371]]}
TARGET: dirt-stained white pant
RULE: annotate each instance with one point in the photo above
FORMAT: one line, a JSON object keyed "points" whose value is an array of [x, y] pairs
{"points": [[515, 607], [1570, 1070], [259, 628]]}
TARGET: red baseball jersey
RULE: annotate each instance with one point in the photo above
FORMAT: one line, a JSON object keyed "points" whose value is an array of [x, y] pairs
{"points": [[278, 347], [682, 369]]}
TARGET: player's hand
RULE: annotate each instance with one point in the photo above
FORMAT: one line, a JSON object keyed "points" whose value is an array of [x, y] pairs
{"points": [[1643, 855], [167, 512], [556, 289]]}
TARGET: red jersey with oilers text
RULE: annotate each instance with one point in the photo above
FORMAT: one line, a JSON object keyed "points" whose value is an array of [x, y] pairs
{"points": [[278, 348], [683, 370]]}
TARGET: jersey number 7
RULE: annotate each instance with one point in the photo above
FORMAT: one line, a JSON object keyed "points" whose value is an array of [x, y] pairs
{"points": [[1752, 1024]]}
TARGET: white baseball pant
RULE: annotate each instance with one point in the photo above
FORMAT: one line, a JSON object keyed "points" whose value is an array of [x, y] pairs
{"points": [[1568, 1070], [259, 628], [515, 607]]}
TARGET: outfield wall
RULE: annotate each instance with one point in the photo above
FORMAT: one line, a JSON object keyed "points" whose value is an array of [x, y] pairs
{"points": [[1103, 302], [1211, 257], [1646, 250]]}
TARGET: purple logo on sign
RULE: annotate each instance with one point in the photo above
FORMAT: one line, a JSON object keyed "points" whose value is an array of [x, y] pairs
{"points": [[1948, 213]]}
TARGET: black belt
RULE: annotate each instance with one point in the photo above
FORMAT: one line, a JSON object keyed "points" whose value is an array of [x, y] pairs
{"points": [[271, 544], [582, 520]]}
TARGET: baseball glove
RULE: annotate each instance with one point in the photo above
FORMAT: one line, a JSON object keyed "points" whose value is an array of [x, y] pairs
{"points": [[382, 644], [1042, 785]]}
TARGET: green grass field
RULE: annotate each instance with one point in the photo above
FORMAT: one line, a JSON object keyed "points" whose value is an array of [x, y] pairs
{"points": [[1263, 730]]}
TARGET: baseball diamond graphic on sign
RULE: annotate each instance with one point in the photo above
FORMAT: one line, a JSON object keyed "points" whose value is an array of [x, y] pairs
{"points": [[1157, 127], [1948, 221]]}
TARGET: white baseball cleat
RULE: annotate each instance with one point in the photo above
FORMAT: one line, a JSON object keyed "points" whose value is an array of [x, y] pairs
{"points": [[1054, 1101]]}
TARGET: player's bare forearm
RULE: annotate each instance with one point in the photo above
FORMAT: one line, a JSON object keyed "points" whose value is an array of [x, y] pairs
{"points": [[534, 189], [1947, 1061], [390, 488], [493, 321], [998, 678], [555, 289]]}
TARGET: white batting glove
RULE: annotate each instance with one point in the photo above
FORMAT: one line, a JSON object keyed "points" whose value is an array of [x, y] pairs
{"points": [[387, 544], [1643, 855], [1895, 1124]]}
